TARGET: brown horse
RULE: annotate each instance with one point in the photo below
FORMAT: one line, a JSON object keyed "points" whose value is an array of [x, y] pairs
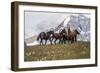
{"points": [[45, 36], [55, 37], [60, 36], [72, 35]]}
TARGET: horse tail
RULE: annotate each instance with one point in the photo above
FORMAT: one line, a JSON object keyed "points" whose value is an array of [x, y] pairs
{"points": [[38, 37]]}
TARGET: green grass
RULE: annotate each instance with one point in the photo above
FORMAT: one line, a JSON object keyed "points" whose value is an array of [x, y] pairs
{"points": [[79, 50]]}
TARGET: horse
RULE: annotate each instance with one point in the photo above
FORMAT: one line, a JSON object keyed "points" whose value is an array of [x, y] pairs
{"points": [[64, 36], [72, 35], [61, 36], [55, 37], [45, 36], [42, 37], [49, 35]]}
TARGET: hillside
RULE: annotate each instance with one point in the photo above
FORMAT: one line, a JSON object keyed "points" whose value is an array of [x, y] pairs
{"points": [[79, 50]]}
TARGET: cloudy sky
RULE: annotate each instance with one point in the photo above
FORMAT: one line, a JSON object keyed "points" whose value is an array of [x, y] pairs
{"points": [[36, 22]]}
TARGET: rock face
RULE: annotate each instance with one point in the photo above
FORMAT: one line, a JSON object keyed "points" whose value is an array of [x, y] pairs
{"points": [[79, 22]]}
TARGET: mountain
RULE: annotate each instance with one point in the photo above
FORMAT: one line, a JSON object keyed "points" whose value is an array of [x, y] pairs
{"points": [[31, 39], [80, 22]]}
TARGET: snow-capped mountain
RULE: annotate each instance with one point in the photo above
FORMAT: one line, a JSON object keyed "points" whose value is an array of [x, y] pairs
{"points": [[80, 22]]}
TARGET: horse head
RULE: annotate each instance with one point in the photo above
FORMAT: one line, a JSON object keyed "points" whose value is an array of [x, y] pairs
{"points": [[77, 32]]}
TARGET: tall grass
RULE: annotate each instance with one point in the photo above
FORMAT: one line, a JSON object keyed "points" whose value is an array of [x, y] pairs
{"points": [[79, 50]]}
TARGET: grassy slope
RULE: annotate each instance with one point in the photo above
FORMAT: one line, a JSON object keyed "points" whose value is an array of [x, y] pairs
{"points": [[77, 50]]}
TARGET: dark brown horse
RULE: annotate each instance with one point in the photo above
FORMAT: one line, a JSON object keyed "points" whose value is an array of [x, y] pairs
{"points": [[55, 37], [72, 35], [61, 37], [45, 36]]}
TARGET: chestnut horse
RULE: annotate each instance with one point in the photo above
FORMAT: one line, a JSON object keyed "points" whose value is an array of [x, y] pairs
{"points": [[72, 35], [61, 36]]}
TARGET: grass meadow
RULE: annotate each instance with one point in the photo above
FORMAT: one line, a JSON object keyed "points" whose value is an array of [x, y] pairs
{"points": [[79, 50]]}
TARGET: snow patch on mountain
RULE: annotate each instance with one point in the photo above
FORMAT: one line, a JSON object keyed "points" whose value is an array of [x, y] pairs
{"points": [[81, 23], [33, 43]]}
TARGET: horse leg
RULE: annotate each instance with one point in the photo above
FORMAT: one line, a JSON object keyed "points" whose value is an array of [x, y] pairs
{"points": [[68, 39], [41, 42], [55, 41], [45, 41], [71, 39], [64, 40], [75, 38], [60, 41], [50, 41]]}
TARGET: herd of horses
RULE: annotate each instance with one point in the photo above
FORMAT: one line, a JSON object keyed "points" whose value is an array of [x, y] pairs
{"points": [[62, 36]]}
